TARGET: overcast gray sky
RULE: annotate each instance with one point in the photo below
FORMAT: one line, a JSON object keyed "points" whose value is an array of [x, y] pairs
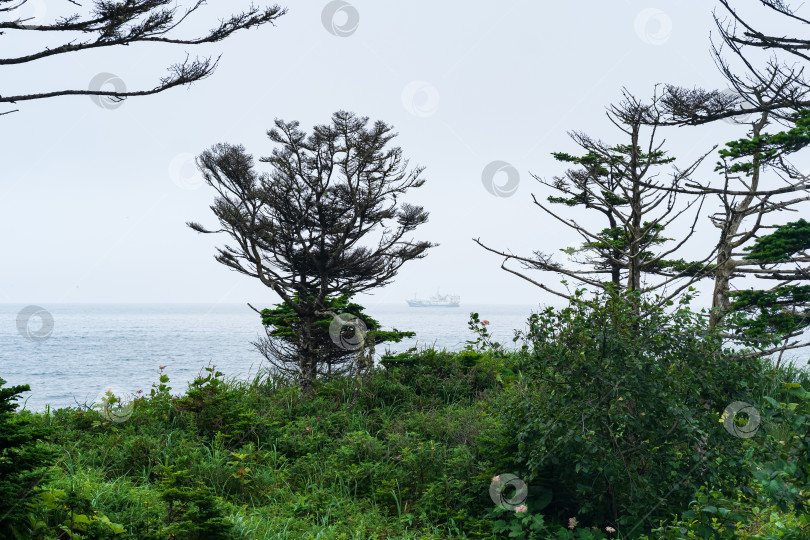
{"points": [[94, 200]]}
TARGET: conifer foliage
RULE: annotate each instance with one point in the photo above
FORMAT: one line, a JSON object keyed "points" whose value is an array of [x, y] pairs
{"points": [[23, 461]]}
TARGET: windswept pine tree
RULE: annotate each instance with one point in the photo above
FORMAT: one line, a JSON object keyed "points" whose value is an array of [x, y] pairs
{"points": [[621, 185], [751, 245], [323, 222], [758, 184]]}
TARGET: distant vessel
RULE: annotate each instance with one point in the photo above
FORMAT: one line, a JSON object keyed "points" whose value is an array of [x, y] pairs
{"points": [[440, 300]]}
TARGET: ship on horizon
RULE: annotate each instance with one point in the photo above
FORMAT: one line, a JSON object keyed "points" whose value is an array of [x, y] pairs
{"points": [[440, 300]]}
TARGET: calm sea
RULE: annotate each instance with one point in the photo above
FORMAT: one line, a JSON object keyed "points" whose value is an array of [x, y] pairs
{"points": [[93, 347]]}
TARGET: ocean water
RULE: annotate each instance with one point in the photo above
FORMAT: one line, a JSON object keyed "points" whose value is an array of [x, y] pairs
{"points": [[92, 347]]}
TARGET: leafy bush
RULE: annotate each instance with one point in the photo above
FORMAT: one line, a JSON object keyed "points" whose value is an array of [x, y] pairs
{"points": [[71, 513], [782, 446], [622, 406], [444, 375], [712, 515], [521, 523]]}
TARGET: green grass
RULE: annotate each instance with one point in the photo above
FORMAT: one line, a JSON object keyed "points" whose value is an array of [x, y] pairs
{"points": [[408, 453], [395, 456]]}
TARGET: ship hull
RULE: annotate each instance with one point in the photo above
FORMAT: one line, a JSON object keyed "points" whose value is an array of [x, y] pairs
{"points": [[427, 304]]}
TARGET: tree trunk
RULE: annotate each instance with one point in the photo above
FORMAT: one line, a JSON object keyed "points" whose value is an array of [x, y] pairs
{"points": [[368, 361], [735, 213], [615, 266], [635, 232], [308, 355], [722, 276], [611, 496], [365, 357]]}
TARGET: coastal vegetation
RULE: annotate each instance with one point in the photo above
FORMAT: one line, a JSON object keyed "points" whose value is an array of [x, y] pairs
{"points": [[596, 423], [629, 413]]}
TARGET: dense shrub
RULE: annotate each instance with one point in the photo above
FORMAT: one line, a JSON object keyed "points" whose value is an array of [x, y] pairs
{"points": [[23, 461], [219, 411], [621, 406]]}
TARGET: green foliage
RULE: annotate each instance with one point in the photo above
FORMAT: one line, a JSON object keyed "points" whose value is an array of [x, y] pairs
{"points": [[783, 474], [410, 452], [608, 170], [766, 148], [483, 342], [776, 502], [780, 245], [23, 460], [397, 453], [193, 512], [763, 318], [69, 515], [598, 164], [525, 524], [216, 409], [202, 519], [767, 316], [161, 389], [604, 182], [284, 322], [624, 420], [618, 238], [446, 376], [685, 268], [710, 515]]}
